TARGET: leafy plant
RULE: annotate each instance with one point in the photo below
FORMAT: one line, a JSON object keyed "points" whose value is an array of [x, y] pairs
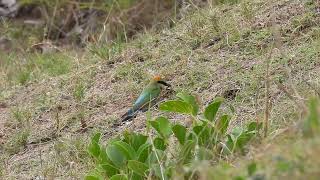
{"points": [[79, 91], [138, 156]]}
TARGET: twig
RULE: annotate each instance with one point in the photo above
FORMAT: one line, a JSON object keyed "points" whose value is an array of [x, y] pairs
{"points": [[45, 139], [59, 108], [41, 160], [256, 107], [267, 108], [156, 154]]}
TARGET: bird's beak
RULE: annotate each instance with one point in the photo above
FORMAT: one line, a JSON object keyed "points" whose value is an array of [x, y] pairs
{"points": [[164, 83]]}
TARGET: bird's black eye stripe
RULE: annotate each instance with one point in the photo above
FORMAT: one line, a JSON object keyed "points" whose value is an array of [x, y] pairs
{"points": [[164, 83]]}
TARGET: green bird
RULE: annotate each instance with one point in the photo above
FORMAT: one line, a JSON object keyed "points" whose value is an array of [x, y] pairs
{"points": [[148, 95]]}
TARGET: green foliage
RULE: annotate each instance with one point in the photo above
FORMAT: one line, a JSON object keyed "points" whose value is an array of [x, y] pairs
{"points": [[135, 140], [22, 69], [137, 156], [23, 76], [252, 168], [239, 137], [311, 126], [180, 133], [106, 52], [20, 117], [211, 110], [119, 177], [177, 106], [162, 126], [17, 141], [52, 64], [79, 91], [191, 100], [94, 147], [138, 167], [186, 104], [116, 155], [185, 154]]}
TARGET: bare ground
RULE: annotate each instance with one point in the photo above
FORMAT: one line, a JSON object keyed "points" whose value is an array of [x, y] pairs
{"points": [[208, 71]]}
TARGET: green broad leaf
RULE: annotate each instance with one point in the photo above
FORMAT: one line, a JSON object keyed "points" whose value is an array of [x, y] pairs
{"points": [[138, 167], [177, 106], [165, 126], [116, 156], [94, 147], [237, 131], [119, 177], [241, 138], [252, 168], [143, 152], [162, 126], [115, 139], [125, 149], [159, 143], [222, 124], [95, 174], [186, 153], [156, 126], [197, 129], [253, 126], [180, 132], [103, 157], [92, 177], [212, 109], [228, 147], [203, 134], [135, 176], [96, 137], [191, 100], [109, 169], [134, 139]]}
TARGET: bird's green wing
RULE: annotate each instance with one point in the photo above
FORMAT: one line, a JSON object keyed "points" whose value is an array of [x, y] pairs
{"points": [[148, 94]]}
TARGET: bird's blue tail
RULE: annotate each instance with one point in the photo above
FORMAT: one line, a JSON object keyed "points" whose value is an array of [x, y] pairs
{"points": [[128, 115]]}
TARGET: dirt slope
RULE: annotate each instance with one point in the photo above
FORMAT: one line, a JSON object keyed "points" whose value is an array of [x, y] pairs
{"points": [[211, 52]]}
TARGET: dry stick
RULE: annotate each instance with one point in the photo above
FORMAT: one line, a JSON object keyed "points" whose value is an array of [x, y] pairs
{"points": [[267, 110], [153, 147], [256, 107], [105, 22], [277, 43], [41, 160], [58, 119], [158, 159]]}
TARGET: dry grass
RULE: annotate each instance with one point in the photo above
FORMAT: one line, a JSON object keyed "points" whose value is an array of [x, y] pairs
{"points": [[209, 52]]}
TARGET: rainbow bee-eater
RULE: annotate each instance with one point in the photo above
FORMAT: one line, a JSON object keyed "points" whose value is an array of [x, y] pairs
{"points": [[147, 97]]}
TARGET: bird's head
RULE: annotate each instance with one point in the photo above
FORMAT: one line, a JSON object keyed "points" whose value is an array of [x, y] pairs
{"points": [[159, 80]]}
